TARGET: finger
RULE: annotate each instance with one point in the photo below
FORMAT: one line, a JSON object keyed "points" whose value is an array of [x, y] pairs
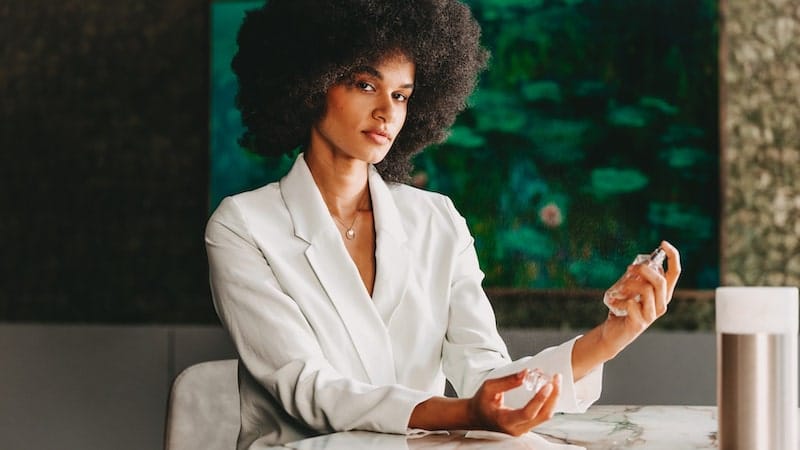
{"points": [[499, 385], [649, 304], [546, 395], [673, 266], [540, 408], [522, 419], [549, 407], [535, 404], [656, 289], [635, 316]]}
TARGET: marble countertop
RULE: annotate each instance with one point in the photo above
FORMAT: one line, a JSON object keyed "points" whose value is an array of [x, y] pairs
{"points": [[601, 428], [640, 427]]}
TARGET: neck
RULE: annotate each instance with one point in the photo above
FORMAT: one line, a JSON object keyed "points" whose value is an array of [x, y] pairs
{"points": [[343, 183]]}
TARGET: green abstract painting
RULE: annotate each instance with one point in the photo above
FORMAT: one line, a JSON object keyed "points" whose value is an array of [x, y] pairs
{"points": [[592, 136]]}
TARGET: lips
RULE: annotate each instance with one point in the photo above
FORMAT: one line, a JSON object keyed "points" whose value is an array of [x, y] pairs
{"points": [[378, 136]]}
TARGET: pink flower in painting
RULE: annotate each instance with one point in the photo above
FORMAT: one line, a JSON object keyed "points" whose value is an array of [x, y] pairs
{"points": [[551, 215]]}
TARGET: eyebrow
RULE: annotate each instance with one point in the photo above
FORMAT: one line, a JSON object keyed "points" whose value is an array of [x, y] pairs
{"points": [[377, 74]]}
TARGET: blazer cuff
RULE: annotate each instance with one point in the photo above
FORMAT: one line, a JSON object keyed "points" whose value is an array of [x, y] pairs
{"points": [[575, 397], [398, 409], [578, 396]]}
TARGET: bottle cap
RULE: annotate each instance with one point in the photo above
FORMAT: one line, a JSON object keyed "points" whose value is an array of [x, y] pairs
{"points": [[658, 256], [756, 309]]}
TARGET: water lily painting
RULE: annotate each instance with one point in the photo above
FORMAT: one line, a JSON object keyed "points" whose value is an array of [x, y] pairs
{"points": [[592, 136]]}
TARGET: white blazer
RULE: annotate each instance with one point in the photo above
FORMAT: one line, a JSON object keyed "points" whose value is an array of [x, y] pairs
{"points": [[317, 353]]}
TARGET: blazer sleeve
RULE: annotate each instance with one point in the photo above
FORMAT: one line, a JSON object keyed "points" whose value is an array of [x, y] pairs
{"points": [[279, 348], [474, 351]]}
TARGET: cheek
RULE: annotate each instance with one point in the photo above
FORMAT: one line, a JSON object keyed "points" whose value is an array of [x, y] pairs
{"points": [[336, 105], [403, 118], [347, 113]]}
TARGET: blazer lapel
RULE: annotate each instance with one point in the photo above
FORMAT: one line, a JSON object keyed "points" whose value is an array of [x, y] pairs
{"points": [[337, 273], [392, 255]]}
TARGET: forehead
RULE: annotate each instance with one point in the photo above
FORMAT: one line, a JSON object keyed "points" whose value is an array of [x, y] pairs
{"points": [[396, 68]]}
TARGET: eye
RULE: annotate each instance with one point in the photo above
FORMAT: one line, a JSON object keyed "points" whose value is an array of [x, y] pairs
{"points": [[399, 96], [364, 86]]}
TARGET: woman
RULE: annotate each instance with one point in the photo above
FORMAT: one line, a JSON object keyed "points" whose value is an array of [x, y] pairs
{"points": [[350, 296]]}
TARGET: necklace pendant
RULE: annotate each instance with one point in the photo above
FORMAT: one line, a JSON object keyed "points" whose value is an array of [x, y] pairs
{"points": [[350, 234]]}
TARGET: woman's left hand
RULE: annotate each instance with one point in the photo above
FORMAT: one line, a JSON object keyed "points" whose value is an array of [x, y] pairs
{"points": [[612, 336], [654, 292]]}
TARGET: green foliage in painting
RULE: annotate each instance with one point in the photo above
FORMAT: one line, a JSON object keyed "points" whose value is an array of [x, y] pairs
{"points": [[232, 168], [591, 137]]}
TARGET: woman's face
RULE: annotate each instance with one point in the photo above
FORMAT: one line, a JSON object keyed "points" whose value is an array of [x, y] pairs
{"points": [[365, 113]]}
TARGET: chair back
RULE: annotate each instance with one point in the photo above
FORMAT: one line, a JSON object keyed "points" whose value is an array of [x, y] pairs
{"points": [[203, 407]]}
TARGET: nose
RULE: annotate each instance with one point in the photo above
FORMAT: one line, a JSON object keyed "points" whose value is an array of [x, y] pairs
{"points": [[385, 109]]}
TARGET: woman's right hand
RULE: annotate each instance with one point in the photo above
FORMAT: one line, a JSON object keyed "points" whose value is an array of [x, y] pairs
{"points": [[487, 412]]}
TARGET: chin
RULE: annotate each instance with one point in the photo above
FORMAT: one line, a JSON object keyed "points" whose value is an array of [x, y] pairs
{"points": [[378, 156]]}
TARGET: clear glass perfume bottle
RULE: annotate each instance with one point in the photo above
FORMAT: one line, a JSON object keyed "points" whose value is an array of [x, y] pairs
{"points": [[616, 295], [535, 380]]}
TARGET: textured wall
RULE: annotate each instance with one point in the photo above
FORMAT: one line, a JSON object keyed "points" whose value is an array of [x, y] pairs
{"points": [[103, 157], [761, 140]]}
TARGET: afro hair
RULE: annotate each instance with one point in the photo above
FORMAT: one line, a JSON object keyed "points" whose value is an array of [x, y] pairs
{"points": [[292, 51]]}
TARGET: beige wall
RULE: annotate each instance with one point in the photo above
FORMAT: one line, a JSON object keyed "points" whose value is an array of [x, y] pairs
{"points": [[760, 103]]}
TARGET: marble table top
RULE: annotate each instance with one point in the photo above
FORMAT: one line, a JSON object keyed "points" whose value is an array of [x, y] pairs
{"points": [[640, 427], [601, 428]]}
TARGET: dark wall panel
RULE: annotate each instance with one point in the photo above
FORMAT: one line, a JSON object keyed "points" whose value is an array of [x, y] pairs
{"points": [[104, 160]]}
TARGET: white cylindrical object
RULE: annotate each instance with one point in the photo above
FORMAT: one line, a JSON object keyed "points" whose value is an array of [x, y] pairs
{"points": [[757, 367]]}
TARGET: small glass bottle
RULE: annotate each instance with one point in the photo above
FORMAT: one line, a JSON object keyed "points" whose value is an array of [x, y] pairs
{"points": [[535, 380], [617, 294]]}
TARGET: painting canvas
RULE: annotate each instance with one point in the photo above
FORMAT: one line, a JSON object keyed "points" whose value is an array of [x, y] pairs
{"points": [[592, 136]]}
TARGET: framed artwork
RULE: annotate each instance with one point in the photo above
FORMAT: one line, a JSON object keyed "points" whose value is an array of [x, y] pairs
{"points": [[593, 135]]}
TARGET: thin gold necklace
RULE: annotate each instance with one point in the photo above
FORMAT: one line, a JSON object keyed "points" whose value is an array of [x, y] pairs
{"points": [[350, 233]]}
